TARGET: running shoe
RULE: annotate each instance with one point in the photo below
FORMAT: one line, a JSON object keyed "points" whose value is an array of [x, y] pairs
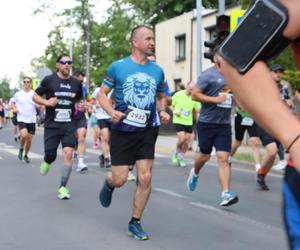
{"points": [[20, 155], [44, 168], [181, 163], [75, 155], [136, 231], [107, 163], [105, 195], [174, 158], [16, 139], [63, 193], [261, 182], [192, 181], [26, 159], [101, 161], [280, 165], [131, 176], [228, 199], [81, 168]]}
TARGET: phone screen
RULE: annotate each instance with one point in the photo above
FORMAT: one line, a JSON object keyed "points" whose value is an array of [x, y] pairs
{"points": [[257, 27]]}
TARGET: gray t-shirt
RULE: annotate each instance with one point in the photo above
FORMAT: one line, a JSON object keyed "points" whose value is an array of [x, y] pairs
{"points": [[212, 83]]}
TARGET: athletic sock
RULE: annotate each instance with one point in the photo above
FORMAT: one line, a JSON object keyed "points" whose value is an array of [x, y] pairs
{"points": [[133, 219], [65, 175]]}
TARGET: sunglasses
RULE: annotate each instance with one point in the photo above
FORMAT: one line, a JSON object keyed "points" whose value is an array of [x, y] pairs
{"points": [[26, 81], [66, 62]]}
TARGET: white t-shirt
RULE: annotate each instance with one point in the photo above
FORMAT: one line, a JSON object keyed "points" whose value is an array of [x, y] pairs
{"points": [[100, 112], [25, 106]]}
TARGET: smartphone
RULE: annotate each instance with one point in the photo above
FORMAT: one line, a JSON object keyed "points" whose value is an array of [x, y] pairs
{"points": [[264, 20]]}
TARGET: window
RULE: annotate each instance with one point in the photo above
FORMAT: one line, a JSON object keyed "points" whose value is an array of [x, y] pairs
{"points": [[180, 47]]}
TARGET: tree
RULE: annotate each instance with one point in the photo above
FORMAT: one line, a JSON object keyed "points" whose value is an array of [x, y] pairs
{"points": [[5, 92]]}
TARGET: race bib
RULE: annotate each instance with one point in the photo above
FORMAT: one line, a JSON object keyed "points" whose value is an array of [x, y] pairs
{"points": [[62, 115], [185, 112], [247, 121], [227, 103], [136, 117]]}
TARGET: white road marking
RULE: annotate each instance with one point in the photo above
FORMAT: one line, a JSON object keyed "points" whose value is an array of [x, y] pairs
{"points": [[236, 217], [170, 192]]}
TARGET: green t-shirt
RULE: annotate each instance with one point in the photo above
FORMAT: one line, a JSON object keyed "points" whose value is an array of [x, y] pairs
{"points": [[242, 113], [184, 104]]}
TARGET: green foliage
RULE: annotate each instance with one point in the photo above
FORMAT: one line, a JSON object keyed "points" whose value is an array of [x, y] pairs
{"points": [[5, 92], [291, 73]]}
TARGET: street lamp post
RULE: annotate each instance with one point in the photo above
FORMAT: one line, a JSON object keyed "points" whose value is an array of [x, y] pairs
{"points": [[199, 40]]}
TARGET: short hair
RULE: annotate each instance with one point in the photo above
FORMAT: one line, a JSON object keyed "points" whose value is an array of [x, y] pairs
{"points": [[27, 77], [135, 30], [79, 73], [61, 56]]}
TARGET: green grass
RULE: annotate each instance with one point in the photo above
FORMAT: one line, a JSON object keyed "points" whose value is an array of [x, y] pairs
{"points": [[244, 157]]}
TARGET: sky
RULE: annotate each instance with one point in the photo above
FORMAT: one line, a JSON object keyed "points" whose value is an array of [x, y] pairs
{"points": [[24, 35]]}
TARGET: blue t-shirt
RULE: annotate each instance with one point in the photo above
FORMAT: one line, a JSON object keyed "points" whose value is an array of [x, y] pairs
{"points": [[212, 83], [135, 88]]}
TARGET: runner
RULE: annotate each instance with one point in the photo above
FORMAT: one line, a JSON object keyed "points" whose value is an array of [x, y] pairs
{"points": [[256, 90], [104, 123], [14, 120], [61, 91], [81, 124], [214, 129], [184, 110], [1, 113], [137, 83], [243, 122], [26, 117]]}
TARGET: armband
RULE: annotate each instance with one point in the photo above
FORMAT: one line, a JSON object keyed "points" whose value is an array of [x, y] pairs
{"points": [[258, 36]]}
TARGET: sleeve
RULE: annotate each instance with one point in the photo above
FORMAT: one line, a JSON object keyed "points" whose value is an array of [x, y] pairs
{"points": [[110, 78], [94, 94], [79, 94], [41, 90], [161, 86], [174, 99], [203, 81], [197, 105], [167, 89]]}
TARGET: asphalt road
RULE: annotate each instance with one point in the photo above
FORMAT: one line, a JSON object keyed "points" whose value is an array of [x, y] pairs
{"points": [[32, 218]]}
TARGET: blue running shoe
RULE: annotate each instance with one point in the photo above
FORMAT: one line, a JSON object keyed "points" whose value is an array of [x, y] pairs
{"points": [[228, 199], [192, 181], [136, 231], [105, 195]]}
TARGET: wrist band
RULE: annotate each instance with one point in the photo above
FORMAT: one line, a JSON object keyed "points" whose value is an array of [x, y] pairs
{"points": [[292, 143]]}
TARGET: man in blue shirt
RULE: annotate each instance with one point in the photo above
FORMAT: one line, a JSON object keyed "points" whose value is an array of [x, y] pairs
{"points": [[138, 85]]}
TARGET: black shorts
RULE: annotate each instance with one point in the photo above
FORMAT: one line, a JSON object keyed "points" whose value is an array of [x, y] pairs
{"points": [[29, 126], [2, 113], [81, 122], [128, 147], [240, 129], [14, 119], [66, 134], [184, 128], [217, 135], [265, 137], [104, 123]]}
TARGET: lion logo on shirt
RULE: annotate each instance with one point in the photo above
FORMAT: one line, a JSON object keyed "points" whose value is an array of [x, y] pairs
{"points": [[139, 90]]}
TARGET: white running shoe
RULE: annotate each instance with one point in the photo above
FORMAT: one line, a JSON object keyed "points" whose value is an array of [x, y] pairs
{"points": [[280, 165], [82, 167]]}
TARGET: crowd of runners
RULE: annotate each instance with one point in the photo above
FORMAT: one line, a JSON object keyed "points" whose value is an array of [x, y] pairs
{"points": [[125, 113]]}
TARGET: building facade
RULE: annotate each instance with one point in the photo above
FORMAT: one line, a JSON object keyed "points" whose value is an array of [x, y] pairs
{"points": [[175, 48]]}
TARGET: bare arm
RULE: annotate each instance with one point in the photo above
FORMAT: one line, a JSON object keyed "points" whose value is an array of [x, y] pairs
{"points": [[106, 104], [161, 106], [41, 101], [197, 95]]}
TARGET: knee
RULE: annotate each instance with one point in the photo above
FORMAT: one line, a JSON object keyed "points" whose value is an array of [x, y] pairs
{"points": [[119, 181], [145, 179], [50, 157], [222, 159]]}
